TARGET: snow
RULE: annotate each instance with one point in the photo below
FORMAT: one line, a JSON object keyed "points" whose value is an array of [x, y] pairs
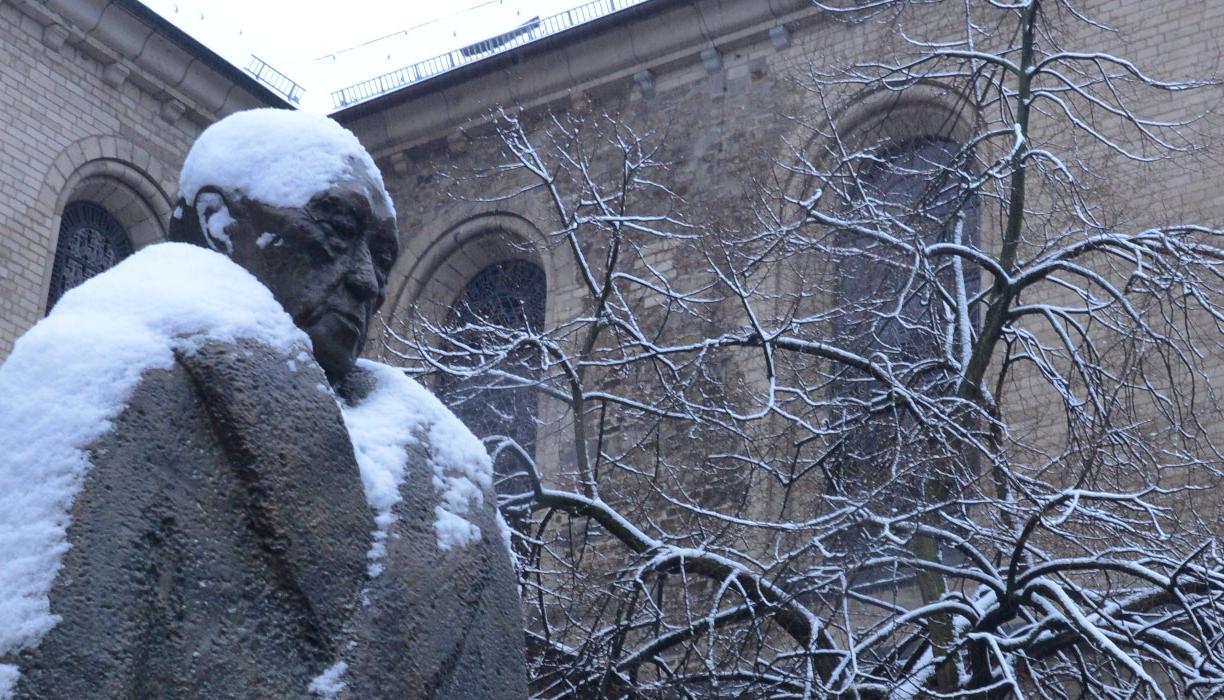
{"points": [[504, 530], [452, 530], [276, 156], [328, 684], [462, 472], [216, 231], [390, 418], [8, 679], [915, 683], [380, 432], [72, 375]]}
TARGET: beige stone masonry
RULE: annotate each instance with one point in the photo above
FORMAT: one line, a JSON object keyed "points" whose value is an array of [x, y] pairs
{"points": [[101, 103]]}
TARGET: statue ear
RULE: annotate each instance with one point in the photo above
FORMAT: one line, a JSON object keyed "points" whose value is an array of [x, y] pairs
{"points": [[214, 217], [184, 226]]}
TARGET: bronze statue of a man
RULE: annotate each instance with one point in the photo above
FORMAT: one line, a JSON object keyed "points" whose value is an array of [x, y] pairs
{"points": [[233, 526]]}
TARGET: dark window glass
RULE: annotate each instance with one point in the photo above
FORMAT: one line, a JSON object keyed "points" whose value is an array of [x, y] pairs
{"points": [[497, 304], [898, 306], [913, 193], [90, 241]]}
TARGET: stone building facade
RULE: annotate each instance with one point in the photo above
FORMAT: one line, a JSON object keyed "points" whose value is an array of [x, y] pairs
{"points": [[712, 79], [102, 99], [726, 88], [105, 98], [717, 81], [103, 92]]}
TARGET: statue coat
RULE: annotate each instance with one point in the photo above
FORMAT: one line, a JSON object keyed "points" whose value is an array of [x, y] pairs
{"points": [[219, 550]]}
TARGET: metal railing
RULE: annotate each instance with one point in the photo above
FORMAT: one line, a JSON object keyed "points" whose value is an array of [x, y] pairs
{"points": [[276, 80], [524, 34]]}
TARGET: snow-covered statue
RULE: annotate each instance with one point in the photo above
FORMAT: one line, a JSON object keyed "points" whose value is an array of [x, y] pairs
{"points": [[205, 494]]}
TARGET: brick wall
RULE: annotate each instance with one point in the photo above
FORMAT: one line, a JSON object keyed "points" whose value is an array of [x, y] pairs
{"points": [[82, 120], [724, 128]]}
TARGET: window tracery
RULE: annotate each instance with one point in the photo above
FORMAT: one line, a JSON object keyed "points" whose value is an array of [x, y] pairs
{"points": [[91, 241], [909, 309], [486, 324]]}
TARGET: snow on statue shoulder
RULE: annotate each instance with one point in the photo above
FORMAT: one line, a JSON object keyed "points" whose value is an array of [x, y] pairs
{"points": [[193, 510], [151, 499]]}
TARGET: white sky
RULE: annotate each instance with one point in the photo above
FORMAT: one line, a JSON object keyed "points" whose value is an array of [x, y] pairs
{"points": [[325, 46]]}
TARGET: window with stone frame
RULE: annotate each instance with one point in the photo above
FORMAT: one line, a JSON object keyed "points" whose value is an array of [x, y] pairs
{"points": [[917, 191], [496, 305], [91, 241]]}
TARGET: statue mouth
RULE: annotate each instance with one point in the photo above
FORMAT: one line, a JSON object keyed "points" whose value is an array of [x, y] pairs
{"points": [[337, 324], [347, 318]]}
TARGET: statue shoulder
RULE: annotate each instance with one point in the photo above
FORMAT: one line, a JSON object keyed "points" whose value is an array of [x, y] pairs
{"points": [[279, 424], [438, 547]]}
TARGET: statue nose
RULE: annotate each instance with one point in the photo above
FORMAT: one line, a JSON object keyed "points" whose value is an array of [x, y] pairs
{"points": [[361, 279]]}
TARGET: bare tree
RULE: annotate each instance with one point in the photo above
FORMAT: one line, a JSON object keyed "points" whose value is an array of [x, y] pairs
{"points": [[938, 420]]}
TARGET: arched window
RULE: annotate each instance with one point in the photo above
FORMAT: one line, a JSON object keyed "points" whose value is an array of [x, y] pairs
{"points": [[496, 305], [897, 304], [90, 241], [913, 192]]}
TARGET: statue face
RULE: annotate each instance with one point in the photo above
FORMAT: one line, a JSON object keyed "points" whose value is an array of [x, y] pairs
{"points": [[326, 263]]}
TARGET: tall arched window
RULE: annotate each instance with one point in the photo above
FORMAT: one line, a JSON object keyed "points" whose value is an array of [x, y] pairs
{"points": [[91, 241], [912, 192], [897, 304], [496, 305]]}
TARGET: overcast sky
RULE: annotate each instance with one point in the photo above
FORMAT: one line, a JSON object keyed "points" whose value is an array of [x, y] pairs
{"points": [[325, 46]]}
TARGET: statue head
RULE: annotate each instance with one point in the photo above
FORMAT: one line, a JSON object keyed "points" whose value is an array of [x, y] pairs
{"points": [[297, 201]]}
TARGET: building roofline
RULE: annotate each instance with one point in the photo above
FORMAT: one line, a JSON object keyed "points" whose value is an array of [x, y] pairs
{"points": [[632, 47], [133, 43], [501, 60], [201, 52]]}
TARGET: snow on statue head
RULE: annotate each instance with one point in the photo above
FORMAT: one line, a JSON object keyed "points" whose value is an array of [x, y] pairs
{"points": [[295, 199]]}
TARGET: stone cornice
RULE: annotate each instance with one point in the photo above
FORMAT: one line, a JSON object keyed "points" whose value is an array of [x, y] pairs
{"points": [[134, 43], [636, 43]]}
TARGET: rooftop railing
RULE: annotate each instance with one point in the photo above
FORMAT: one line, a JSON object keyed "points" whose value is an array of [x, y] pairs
{"points": [[526, 33], [276, 80]]}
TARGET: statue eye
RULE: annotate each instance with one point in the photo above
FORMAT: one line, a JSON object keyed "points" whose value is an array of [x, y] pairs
{"points": [[381, 255], [384, 249], [323, 234], [383, 260]]}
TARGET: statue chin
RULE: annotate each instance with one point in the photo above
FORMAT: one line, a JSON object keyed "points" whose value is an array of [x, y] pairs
{"points": [[337, 342]]}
